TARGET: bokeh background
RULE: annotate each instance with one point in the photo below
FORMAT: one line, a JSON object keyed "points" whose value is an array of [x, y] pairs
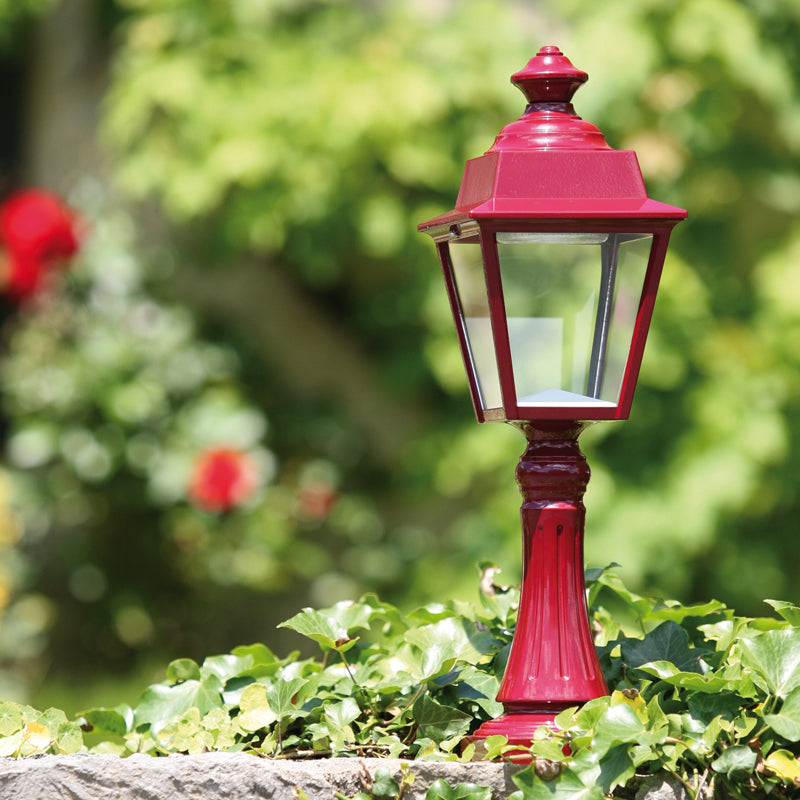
{"points": [[249, 175]]}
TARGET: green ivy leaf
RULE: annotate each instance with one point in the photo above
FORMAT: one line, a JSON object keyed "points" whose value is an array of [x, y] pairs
{"points": [[52, 718], [641, 605], [384, 785], [705, 707], [10, 718], [69, 738], [736, 762], [618, 725], [441, 790], [115, 721], [789, 611], [667, 642], [255, 711], [677, 612], [709, 683], [227, 666], [281, 695], [568, 786], [183, 669], [481, 687], [343, 712], [786, 721], [258, 653], [616, 768], [774, 658], [438, 722], [446, 642], [161, 703], [325, 630]]}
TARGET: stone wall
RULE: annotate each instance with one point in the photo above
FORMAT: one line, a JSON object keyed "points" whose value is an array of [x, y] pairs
{"points": [[238, 776]]}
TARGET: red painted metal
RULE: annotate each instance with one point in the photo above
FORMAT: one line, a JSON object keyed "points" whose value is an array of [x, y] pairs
{"points": [[553, 662], [550, 172], [452, 296]]}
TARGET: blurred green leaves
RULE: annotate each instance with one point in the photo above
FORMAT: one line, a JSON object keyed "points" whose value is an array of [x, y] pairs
{"points": [[312, 136]]}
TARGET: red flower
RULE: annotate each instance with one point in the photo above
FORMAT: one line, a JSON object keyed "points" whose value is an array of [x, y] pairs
{"points": [[23, 276], [37, 224], [37, 232], [223, 479]]}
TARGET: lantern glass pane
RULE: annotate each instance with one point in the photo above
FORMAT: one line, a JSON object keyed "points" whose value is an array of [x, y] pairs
{"points": [[571, 304], [474, 305]]}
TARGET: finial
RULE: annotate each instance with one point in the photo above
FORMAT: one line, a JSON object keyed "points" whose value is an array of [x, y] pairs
{"points": [[549, 77], [548, 81]]}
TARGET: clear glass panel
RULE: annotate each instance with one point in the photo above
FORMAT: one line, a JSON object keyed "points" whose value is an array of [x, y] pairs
{"points": [[468, 269], [571, 302]]}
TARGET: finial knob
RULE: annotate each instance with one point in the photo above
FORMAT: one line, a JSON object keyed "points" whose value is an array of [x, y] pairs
{"points": [[549, 77]]}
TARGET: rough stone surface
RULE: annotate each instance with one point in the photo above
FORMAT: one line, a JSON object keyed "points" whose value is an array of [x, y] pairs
{"points": [[225, 776], [237, 776], [660, 787]]}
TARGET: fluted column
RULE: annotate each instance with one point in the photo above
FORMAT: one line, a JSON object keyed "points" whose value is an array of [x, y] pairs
{"points": [[553, 662]]}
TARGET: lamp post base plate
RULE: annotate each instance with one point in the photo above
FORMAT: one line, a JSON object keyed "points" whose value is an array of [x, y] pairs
{"points": [[519, 728]]}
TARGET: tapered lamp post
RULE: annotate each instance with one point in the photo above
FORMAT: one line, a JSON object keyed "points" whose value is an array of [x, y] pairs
{"points": [[551, 259]]}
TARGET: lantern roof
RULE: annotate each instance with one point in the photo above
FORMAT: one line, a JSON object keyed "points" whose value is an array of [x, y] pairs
{"points": [[550, 164]]}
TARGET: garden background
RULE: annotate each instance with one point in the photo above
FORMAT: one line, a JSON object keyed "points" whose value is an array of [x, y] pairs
{"points": [[248, 176]]}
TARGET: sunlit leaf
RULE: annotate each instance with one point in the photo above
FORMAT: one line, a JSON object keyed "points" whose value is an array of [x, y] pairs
{"points": [[36, 735], [161, 703], [696, 682], [10, 745], [618, 725], [114, 721], [10, 718], [324, 629], [281, 694], [786, 721], [255, 710], [183, 669], [447, 641], [569, 786], [789, 611], [785, 765], [774, 657]]}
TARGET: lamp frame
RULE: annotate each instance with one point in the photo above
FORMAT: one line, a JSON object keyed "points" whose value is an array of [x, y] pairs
{"points": [[467, 229], [550, 172]]}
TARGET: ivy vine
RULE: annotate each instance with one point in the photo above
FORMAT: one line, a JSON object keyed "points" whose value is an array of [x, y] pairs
{"points": [[697, 693]]}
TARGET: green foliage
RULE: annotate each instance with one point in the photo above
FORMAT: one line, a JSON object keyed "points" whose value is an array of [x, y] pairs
{"points": [[706, 696], [385, 685], [312, 136], [13, 12], [26, 732], [111, 395]]}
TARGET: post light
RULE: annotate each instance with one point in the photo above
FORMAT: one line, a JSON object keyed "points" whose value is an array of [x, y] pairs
{"points": [[551, 259]]}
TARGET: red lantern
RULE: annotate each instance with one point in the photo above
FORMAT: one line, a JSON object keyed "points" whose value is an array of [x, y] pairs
{"points": [[551, 258]]}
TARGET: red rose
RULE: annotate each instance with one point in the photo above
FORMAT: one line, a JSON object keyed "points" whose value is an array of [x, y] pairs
{"points": [[223, 479], [37, 233], [23, 276], [38, 225]]}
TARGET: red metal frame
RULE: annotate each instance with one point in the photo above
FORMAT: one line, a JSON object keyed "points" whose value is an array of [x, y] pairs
{"points": [[494, 289], [553, 663], [550, 171]]}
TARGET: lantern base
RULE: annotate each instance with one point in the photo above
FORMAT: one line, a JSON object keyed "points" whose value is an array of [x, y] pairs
{"points": [[519, 728]]}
